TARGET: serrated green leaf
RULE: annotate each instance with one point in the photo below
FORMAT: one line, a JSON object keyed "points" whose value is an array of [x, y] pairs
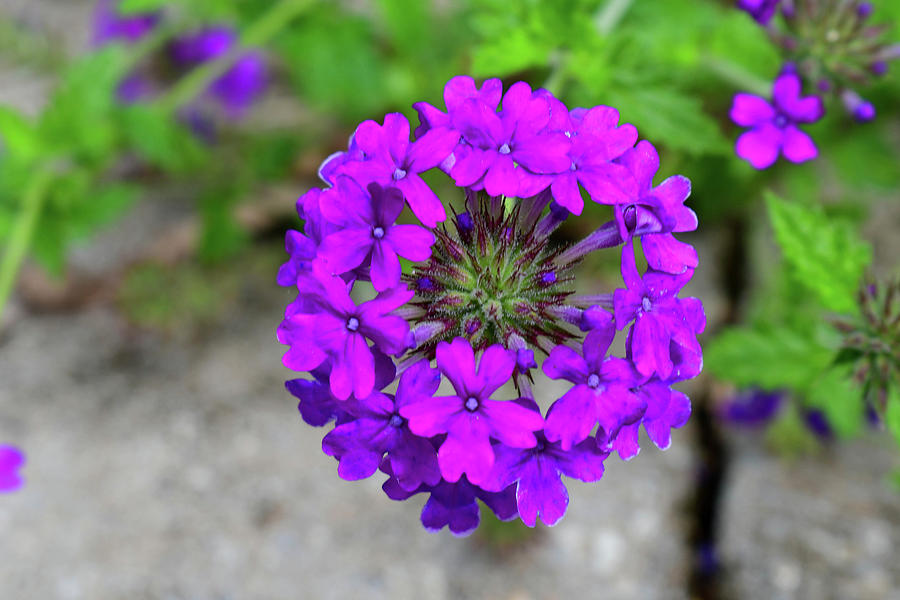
{"points": [[769, 358], [825, 255], [836, 395]]}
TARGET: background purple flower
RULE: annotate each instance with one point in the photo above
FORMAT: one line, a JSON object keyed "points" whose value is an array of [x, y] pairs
{"points": [[11, 460], [761, 10], [242, 84], [110, 26], [774, 125]]}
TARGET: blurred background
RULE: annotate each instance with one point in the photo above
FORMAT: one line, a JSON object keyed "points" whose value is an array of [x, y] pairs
{"points": [[150, 160]]}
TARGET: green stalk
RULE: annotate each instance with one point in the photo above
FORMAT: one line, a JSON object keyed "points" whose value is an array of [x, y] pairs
{"points": [[738, 76], [264, 29], [22, 232]]}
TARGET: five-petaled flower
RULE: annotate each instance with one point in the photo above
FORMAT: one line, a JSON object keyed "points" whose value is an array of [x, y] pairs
{"points": [[774, 125]]}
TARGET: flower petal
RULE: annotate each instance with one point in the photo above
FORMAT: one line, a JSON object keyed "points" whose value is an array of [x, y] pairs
{"points": [[760, 146], [748, 110]]}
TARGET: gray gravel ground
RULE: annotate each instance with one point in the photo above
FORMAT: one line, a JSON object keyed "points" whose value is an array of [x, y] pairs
{"points": [[163, 470]]}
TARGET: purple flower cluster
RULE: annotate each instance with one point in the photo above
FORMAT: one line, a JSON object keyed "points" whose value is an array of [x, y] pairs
{"points": [[827, 46], [11, 460], [480, 300], [235, 90]]}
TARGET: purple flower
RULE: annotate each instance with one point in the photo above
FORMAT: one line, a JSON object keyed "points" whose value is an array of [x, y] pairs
{"points": [[488, 293], [384, 154], [242, 84], [661, 319], [667, 409], [455, 505], [655, 212], [816, 421], [336, 327], [471, 418], [499, 150], [318, 406], [11, 460], [602, 392], [857, 107], [596, 139], [379, 428], [761, 10], [458, 90], [110, 26], [366, 232], [752, 407], [774, 126], [537, 474]]}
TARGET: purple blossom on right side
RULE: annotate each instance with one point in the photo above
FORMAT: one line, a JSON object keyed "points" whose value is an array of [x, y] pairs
{"points": [[11, 460], [773, 125]]}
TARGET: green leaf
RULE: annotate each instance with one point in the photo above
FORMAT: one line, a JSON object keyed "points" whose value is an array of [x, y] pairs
{"points": [[510, 53], [18, 137], [770, 358], [161, 140], [132, 7], [825, 255], [836, 394], [668, 116], [78, 118], [332, 61]]}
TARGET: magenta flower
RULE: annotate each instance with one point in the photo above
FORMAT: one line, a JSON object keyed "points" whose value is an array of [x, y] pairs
{"points": [[471, 418], [654, 213], [601, 395], [537, 474], [366, 232], [378, 428], [596, 140], [667, 409], [660, 317], [336, 327], [455, 504], [458, 90], [387, 157], [496, 145], [774, 125], [11, 460], [491, 289]]}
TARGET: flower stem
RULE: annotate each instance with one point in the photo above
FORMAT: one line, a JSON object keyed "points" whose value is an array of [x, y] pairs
{"points": [[264, 29], [22, 231], [738, 76], [610, 15]]}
